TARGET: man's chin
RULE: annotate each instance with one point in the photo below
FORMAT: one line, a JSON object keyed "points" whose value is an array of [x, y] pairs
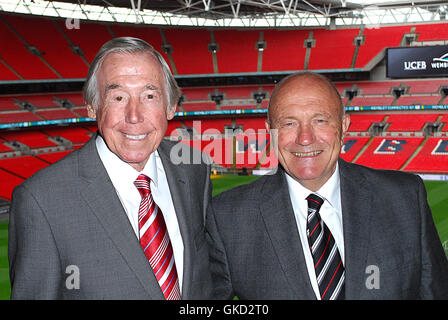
{"points": [[137, 162]]}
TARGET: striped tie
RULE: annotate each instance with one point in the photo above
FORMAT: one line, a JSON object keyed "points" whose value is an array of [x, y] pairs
{"points": [[328, 265], [155, 241]]}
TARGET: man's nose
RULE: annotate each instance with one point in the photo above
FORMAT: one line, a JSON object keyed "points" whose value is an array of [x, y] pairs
{"points": [[305, 135], [134, 112]]}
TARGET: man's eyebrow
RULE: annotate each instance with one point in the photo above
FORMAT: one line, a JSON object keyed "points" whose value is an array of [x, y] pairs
{"points": [[151, 87], [111, 87]]}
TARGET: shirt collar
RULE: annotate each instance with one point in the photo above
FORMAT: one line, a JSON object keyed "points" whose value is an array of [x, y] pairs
{"points": [[330, 191], [120, 172]]}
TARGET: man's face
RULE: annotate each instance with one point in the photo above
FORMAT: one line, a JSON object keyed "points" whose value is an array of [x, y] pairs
{"points": [[132, 113], [308, 117]]}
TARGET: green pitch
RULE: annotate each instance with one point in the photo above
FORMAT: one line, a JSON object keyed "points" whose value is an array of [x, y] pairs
{"points": [[437, 199]]}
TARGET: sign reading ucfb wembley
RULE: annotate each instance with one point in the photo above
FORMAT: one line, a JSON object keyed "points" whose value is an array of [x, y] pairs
{"points": [[441, 62], [409, 62]]}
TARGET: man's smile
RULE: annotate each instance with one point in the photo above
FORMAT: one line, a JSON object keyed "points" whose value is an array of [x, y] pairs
{"points": [[307, 154], [136, 137]]}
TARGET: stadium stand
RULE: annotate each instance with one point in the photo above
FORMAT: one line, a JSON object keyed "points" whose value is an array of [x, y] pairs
{"points": [[409, 122], [377, 138], [285, 50], [237, 51], [80, 40], [432, 158], [352, 146], [14, 51], [51, 48], [389, 153], [333, 49], [32, 139], [54, 156], [189, 47], [377, 39], [23, 167], [22, 116], [372, 101], [444, 122], [8, 182], [362, 122]]}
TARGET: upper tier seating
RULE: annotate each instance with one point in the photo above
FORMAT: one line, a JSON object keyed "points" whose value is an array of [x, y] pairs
{"points": [[362, 122], [410, 121], [53, 51]]}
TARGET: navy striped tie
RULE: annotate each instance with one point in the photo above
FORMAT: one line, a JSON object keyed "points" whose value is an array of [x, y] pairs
{"points": [[328, 265]]}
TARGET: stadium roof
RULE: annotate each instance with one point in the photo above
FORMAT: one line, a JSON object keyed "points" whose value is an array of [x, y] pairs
{"points": [[238, 13]]}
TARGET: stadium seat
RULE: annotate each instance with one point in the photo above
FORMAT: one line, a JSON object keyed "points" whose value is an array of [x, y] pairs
{"points": [[409, 121], [53, 45], [33, 139], [23, 167], [432, 158], [333, 49], [8, 182], [285, 50], [388, 153], [351, 147], [237, 51], [23, 116], [362, 122], [190, 50]]}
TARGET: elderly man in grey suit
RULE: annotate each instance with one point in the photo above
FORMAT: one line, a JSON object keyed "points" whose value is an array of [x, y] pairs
{"points": [[322, 228], [116, 219]]}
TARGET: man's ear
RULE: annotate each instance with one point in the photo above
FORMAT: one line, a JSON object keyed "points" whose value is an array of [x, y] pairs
{"points": [[345, 123], [267, 125], [171, 112], [91, 111]]}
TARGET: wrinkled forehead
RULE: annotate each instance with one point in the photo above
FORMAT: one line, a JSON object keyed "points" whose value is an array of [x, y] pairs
{"points": [[130, 63], [304, 92]]}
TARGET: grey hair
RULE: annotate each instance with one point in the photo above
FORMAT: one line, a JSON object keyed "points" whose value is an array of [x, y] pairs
{"points": [[127, 45], [310, 74]]}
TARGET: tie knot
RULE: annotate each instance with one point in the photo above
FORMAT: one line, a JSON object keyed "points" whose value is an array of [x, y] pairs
{"points": [[142, 183], [314, 201]]}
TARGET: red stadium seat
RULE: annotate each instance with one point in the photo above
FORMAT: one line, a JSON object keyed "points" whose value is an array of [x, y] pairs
{"points": [[432, 158], [22, 167], [8, 182], [409, 121], [362, 122], [389, 153], [352, 146], [33, 139]]}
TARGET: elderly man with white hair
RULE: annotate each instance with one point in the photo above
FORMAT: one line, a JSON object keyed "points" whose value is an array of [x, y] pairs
{"points": [[116, 219]]}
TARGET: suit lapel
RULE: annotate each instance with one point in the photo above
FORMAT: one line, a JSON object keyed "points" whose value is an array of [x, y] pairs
{"points": [[278, 215], [100, 195], [356, 213], [180, 190]]}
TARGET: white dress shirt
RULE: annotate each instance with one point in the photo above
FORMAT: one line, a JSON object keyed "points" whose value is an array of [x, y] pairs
{"points": [[330, 213], [123, 176]]}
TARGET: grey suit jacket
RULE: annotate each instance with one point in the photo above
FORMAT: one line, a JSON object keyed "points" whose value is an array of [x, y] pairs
{"points": [[392, 250], [67, 220]]}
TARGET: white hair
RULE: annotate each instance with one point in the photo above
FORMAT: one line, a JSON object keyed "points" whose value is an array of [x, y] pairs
{"points": [[127, 45]]}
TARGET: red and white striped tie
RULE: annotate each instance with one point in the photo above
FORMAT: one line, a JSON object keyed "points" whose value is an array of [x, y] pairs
{"points": [[155, 241]]}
